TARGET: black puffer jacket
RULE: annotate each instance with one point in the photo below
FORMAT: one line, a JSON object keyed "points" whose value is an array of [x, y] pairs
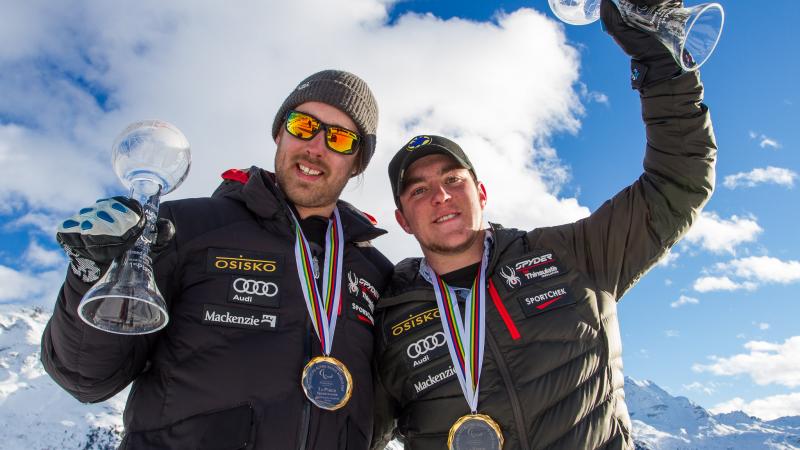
{"points": [[225, 373], [552, 371]]}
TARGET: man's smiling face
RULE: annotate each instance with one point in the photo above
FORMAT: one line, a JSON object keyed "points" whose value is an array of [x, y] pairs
{"points": [[311, 175], [441, 205]]}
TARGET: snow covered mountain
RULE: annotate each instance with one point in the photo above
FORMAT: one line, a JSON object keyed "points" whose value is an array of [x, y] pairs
{"points": [[661, 421], [36, 414]]}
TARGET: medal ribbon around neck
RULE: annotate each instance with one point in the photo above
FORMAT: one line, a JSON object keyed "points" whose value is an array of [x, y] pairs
{"points": [[465, 339], [322, 307]]}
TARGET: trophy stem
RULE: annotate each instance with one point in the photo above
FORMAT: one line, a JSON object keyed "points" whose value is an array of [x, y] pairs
{"points": [[126, 299]]}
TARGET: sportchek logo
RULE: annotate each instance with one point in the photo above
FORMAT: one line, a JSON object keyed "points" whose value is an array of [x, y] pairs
{"points": [[546, 300], [431, 380], [238, 318], [362, 314], [529, 270]]}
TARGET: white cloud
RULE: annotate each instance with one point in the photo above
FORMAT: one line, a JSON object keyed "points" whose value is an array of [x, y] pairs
{"points": [[41, 257], [763, 269], [29, 287], [763, 326], [707, 388], [501, 89], [768, 408], [774, 175], [765, 362], [719, 235], [669, 258], [764, 141], [749, 273], [672, 333], [684, 300], [767, 142], [709, 284]]}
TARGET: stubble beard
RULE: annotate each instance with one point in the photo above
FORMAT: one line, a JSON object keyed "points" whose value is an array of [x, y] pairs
{"points": [[308, 195], [450, 250]]}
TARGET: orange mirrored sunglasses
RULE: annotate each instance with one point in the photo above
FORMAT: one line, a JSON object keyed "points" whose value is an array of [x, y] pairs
{"points": [[305, 126]]}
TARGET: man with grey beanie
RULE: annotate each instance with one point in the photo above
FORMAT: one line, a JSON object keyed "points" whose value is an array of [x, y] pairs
{"points": [[259, 279]]}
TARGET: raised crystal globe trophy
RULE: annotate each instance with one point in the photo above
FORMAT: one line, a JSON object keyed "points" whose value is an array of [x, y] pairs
{"points": [[689, 33], [151, 158]]}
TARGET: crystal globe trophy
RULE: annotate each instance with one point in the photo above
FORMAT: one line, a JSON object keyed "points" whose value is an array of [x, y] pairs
{"points": [[689, 33], [151, 158]]}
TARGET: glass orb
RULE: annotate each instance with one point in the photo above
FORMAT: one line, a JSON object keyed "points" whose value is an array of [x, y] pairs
{"points": [[576, 12], [153, 151]]}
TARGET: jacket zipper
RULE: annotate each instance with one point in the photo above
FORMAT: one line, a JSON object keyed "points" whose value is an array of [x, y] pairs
{"points": [[306, 416], [512, 395]]}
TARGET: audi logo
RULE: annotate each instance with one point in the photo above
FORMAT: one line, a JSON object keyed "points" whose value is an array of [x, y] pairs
{"points": [[426, 344], [255, 287]]}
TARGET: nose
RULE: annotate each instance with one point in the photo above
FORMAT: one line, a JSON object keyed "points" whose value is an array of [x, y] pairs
{"points": [[316, 146], [441, 195]]}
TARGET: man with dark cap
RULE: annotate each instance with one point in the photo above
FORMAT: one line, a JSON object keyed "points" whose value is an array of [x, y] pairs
{"points": [[245, 361], [501, 338]]}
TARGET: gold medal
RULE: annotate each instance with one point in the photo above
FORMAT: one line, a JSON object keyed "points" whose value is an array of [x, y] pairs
{"points": [[327, 383], [475, 432]]}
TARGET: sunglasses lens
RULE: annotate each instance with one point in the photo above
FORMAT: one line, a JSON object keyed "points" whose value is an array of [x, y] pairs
{"points": [[301, 126], [341, 140]]}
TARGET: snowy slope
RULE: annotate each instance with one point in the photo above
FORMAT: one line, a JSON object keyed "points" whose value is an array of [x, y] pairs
{"points": [[34, 412], [37, 414]]}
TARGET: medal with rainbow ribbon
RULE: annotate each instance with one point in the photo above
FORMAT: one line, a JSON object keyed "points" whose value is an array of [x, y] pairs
{"points": [[465, 340], [326, 381]]}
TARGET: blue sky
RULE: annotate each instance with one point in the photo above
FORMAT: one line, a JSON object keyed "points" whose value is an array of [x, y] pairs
{"points": [[537, 105]]}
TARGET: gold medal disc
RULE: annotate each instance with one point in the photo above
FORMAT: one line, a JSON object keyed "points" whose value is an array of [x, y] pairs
{"points": [[327, 383], [475, 432]]}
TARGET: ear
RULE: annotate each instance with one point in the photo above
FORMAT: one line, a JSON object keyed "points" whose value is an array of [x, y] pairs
{"points": [[482, 194], [401, 220], [278, 138]]}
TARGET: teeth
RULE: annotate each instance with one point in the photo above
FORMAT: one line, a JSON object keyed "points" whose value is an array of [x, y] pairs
{"points": [[443, 218], [308, 170]]}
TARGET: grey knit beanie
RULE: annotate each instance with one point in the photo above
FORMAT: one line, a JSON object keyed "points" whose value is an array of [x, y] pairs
{"points": [[345, 91]]}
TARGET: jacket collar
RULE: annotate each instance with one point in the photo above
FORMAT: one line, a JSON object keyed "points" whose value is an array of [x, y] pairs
{"points": [[407, 278], [262, 196]]}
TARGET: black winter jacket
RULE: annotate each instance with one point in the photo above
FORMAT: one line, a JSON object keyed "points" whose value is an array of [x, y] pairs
{"points": [[216, 377], [552, 371]]}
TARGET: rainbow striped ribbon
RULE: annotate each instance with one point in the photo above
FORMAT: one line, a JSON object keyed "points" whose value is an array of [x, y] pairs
{"points": [[465, 338], [323, 307]]}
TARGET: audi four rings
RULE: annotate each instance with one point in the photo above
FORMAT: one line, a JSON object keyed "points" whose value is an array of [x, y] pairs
{"points": [[255, 287], [425, 345]]}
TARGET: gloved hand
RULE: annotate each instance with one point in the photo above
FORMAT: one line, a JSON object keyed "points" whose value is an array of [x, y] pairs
{"points": [[100, 233], [651, 62]]}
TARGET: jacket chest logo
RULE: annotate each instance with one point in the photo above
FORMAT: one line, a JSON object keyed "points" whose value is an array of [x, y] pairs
{"points": [[531, 269], [362, 289], [547, 300], [254, 291], [244, 262], [426, 349], [422, 317], [247, 319]]}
